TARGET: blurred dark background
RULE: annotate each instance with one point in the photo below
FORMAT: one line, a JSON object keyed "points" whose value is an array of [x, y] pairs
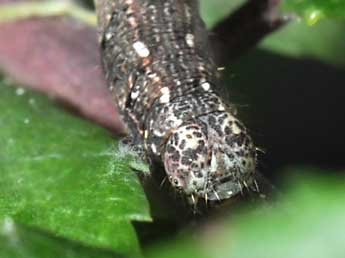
{"points": [[294, 108]]}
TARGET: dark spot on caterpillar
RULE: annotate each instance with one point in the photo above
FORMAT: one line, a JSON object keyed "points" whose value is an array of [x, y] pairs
{"points": [[197, 134], [212, 121], [175, 156], [231, 156], [201, 149], [191, 127], [239, 125], [239, 139], [218, 129], [170, 149], [195, 166], [183, 144], [198, 174], [186, 161], [189, 153], [227, 130], [229, 140], [175, 139]]}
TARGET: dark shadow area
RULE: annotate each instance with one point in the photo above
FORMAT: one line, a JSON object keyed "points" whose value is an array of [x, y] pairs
{"points": [[294, 108]]}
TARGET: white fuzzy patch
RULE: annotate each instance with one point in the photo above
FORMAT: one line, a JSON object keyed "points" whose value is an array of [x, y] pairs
{"points": [[221, 108], [190, 40], [108, 36], [165, 98], [134, 94], [20, 91], [236, 129], [165, 90], [132, 21], [153, 148], [141, 49], [206, 86], [8, 226]]}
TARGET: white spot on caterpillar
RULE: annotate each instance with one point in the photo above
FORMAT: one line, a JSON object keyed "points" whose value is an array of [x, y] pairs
{"points": [[146, 134], [165, 98], [108, 17], [108, 36], [151, 75], [132, 21], [134, 94], [236, 129], [165, 90], [158, 133], [190, 40], [141, 49], [206, 86], [153, 148]]}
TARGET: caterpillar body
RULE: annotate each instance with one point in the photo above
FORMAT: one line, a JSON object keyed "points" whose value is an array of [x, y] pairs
{"points": [[163, 79]]}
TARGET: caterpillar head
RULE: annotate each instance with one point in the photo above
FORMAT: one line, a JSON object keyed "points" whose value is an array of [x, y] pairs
{"points": [[211, 158]]}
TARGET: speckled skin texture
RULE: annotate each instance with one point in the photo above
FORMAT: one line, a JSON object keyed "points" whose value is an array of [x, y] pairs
{"points": [[163, 79]]}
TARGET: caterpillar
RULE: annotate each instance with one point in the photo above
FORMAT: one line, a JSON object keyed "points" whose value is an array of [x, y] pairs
{"points": [[163, 79]]}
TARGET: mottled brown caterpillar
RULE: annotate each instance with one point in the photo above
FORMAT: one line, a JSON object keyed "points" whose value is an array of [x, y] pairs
{"points": [[163, 79]]}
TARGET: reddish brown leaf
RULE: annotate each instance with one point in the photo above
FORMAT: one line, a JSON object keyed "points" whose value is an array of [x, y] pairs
{"points": [[59, 56]]}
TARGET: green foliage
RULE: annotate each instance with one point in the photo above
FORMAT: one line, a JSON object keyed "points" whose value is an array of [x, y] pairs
{"points": [[308, 222], [18, 241], [215, 10], [314, 10], [311, 10], [323, 41], [61, 174]]}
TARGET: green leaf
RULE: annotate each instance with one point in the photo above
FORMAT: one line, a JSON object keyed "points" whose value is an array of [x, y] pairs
{"points": [[62, 174], [17, 241], [213, 11], [323, 41], [307, 222], [314, 10]]}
